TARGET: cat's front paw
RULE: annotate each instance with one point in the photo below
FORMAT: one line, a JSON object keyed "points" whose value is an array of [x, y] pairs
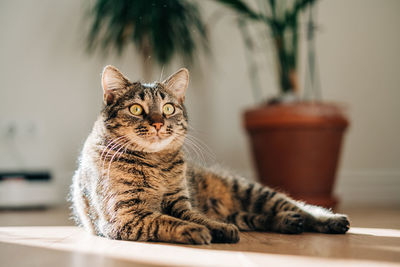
{"points": [[225, 233], [194, 234]]}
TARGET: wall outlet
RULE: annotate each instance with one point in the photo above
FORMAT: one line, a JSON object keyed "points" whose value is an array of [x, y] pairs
{"points": [[19, 128]]}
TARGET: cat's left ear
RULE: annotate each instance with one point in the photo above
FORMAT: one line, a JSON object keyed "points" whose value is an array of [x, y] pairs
{"points": [[113, 83], [177, 83]]}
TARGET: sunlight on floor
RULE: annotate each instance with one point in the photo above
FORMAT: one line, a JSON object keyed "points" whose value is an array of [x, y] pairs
{"points": [[375, 232], [75, 240]]}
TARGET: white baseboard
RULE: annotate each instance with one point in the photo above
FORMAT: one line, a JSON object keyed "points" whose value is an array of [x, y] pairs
{"points": [[25, 194], [368, 187]]}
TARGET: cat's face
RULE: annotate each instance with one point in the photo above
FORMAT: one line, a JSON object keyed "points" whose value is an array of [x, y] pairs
{"points": [[148, 117]]}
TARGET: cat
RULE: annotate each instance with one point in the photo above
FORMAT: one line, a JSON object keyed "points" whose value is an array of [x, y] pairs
{"points": [[134, 183]]}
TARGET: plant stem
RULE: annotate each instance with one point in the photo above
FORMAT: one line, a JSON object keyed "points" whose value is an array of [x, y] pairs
{"points": [[252, 65], [283, 64], [147, 66]]}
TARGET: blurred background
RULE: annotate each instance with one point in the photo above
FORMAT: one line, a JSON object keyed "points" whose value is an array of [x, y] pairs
{"points": [[51, 92]]}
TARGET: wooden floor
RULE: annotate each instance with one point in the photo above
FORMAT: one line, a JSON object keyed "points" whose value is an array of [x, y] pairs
{"points": [[374, 240]]}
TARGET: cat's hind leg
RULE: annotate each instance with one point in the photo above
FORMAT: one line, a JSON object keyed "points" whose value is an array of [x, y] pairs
{"points": [[290, 216], [247, 221], [322, 220], [287, 222]]}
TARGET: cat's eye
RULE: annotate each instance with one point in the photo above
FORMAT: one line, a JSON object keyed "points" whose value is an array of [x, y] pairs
{"points": [[168, 109], [136, 109]]}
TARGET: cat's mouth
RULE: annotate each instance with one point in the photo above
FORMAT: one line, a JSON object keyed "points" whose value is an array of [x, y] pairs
{"points": [[157, 136], [155, 142]]}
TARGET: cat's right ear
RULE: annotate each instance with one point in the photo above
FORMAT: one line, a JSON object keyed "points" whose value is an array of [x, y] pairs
{"points": [[112, 81]]}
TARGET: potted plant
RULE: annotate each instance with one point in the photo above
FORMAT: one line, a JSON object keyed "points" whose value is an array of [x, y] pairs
{"points": [[296, 142], [159, 29]]}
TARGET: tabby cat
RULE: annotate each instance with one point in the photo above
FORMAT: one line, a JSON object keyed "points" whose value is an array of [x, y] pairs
{"points": [[133, 182]]}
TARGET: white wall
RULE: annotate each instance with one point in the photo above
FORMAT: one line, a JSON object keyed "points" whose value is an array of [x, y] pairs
{"points": [[46, 77], [360, 65]]}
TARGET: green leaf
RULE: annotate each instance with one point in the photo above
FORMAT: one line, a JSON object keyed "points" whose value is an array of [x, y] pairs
{"points": [[164, 28], [241, 8]]}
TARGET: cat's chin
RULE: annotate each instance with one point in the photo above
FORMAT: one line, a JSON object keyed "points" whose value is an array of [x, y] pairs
{"points": [[155, 139], [156, 143]]}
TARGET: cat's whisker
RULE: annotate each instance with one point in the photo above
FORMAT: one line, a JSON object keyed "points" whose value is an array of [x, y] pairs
{"points": [[205, 148], [111, 160], [191, 128], [200, 151], [189, 154], [187, 146], [161, 75], [195, 147], [203, 145], [111, 149], [117, 144], [103, 159], [197, 150], [125, 147], [109, 144], [188, 149]]}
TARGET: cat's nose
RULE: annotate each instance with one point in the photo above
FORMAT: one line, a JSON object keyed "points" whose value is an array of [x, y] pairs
{"points": [[156, 120], [158, 125]]}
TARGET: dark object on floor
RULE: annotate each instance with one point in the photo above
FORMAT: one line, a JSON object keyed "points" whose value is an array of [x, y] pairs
{"points": [[27, 189]]}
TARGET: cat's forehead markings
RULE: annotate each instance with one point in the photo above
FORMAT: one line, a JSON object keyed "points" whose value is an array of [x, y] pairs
{"points": [[149, 85]]}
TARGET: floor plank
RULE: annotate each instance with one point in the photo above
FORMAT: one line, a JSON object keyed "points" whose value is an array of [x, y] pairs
{"points": [[372, 241]]}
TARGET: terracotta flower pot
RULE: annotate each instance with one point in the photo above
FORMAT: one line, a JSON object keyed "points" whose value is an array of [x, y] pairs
{"points": [[296, 148]]}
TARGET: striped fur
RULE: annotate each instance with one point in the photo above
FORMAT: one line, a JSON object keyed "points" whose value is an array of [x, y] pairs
{"points": [[134, 183]]}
